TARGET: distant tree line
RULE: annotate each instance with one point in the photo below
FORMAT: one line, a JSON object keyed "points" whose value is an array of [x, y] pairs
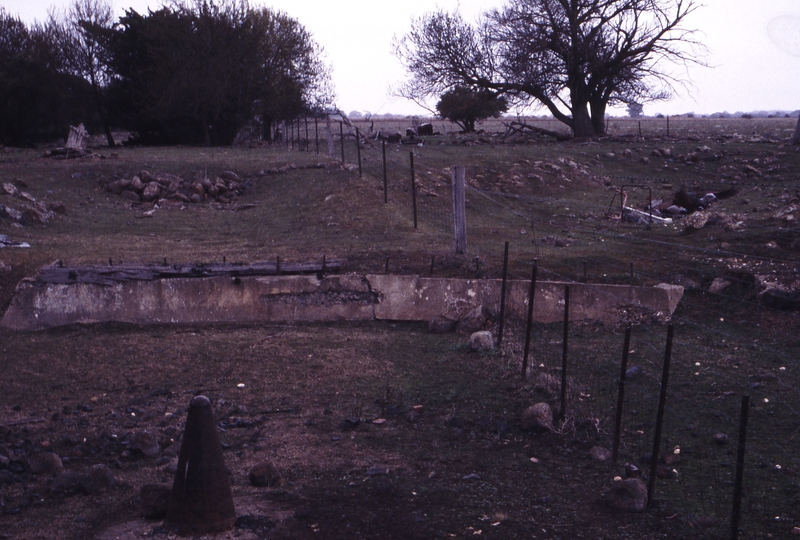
{"points": [[192, 72]]}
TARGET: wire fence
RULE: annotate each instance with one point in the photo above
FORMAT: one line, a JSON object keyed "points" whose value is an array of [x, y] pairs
{"points": [[727, 345]]}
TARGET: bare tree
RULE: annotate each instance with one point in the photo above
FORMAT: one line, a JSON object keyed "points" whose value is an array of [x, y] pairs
{"points": [[79, 30], [574, 57]]}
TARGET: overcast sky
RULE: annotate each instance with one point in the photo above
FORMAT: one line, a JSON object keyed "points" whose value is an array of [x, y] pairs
{"points": [[754, 49]]}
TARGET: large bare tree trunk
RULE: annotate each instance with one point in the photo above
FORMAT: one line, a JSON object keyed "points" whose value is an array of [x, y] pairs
{"points": [[598, 109], [582, 126], [796, 136]]}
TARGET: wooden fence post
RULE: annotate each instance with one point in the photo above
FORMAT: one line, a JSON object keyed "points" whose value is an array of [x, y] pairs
{"points": [[330, 136], [459, 209], [358, 150], [413, 188], [341, 140], [385, 186]]}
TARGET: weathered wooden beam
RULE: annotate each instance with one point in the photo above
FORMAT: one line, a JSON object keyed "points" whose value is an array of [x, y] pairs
{"points": [[110, 274]]}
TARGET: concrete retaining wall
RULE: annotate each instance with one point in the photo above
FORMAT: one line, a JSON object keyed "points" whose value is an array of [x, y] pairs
{"points": [[265, 299]]}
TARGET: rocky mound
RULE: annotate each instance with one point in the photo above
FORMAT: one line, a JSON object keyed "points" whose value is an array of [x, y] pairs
{"points": [[148, 187]]}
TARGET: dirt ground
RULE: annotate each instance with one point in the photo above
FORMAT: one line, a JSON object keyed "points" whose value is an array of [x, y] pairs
{"points": [[331, 406]]}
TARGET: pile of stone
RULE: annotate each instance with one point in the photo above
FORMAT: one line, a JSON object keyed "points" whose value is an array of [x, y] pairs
{"points": [[26, 210], [150, 187]]}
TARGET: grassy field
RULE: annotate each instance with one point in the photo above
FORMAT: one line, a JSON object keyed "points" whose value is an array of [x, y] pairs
{"points": [[463, 466]]}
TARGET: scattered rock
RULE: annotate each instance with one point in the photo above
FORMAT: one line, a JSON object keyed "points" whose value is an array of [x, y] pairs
{"points": [[473, 321], [151, 192], [230, 176], [720, 438], [37, 214], [100, 478], [10, 189], [629, 495], [11, 214], [599, 453], [145, 443], [378, 471], [633, 371], [632, 471], [66, 483], [719, 285], [154, 500], [697, 220], [57, 207], [537, 418], [265, 474], [46, 463], [172, 450], [441, 324], [481, 340], [749, 170], [130, 195]]}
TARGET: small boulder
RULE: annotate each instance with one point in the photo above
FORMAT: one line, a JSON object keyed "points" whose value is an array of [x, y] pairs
{"points": [[719, 285], [57, 207], [154, 500], [10, 189], [538, 418], [230, 176], [265, 474], [481, 340], [629, 495], [198, 188], [473, 321], [130, 195], [136, 184], [632, 471], [145, 443], [151, 192], [100, 478], [720, 438], [45, 463], [441, 324], [599, 453], [67, 483], [118, 186], [38, 213], [10, 213]]}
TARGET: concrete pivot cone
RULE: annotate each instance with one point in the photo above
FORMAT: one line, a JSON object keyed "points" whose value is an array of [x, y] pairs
{"points": [[201, 501]]}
